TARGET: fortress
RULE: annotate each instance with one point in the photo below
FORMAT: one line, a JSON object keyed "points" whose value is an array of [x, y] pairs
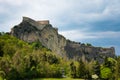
{"points": [[41, 22], [45, 22], [38, 24], [30, 30]]}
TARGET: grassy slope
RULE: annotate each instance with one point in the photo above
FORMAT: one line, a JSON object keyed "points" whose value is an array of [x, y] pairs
{"points": [[57, 79]]}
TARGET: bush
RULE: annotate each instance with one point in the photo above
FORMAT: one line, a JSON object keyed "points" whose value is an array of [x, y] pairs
{"points": [[106, 73]]}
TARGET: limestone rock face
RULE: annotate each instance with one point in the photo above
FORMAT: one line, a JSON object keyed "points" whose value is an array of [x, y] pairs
{"points": [[75, 50], [30, 30]]}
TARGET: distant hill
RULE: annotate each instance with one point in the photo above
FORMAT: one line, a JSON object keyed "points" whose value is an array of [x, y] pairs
{"points": [[30, 31]]}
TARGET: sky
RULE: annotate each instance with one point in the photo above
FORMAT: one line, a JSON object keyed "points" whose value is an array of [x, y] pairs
{"points": [[86, 21]]}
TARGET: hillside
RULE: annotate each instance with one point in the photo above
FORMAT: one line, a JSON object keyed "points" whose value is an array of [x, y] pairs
{"points": [[34, 49], [30, 30], [20, 60]]}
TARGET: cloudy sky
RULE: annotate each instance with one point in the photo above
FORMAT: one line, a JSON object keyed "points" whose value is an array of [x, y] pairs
{"points": [[90, 21]]}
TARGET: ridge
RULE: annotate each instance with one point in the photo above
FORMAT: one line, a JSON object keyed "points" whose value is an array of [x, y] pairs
{"points": [[30, 30]]}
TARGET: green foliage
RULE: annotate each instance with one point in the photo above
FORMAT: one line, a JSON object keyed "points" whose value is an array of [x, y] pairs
{"points": [[1, 47], [20, 60], [82, 71], [106, 73], [10, 75], [27, 61], [2, 75], [110, 66], [88, 44], [36, 45], [9, 45], [73, 70], [118, 67], [96, 68]]}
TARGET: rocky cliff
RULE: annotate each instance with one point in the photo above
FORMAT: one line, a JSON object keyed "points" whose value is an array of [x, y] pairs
{"points": [[30, 30]]}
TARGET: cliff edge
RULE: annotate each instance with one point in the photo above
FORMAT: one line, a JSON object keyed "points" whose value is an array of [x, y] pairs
{"points": [[30, 30]]}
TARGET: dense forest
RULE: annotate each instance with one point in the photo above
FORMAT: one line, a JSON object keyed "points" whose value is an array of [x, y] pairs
{"points": [[20, 60]]}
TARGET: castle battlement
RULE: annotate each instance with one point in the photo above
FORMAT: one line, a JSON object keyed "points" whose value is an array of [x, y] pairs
{"points": [[43, 22]]}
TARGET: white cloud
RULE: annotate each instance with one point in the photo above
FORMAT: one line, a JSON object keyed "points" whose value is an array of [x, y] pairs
{"points": [[12, 2], [83, 34], [59, 12], [37, 9]]}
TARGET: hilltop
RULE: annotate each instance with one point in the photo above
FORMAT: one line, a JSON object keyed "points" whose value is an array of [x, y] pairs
{"points": [[34, 49], [30, 31]]}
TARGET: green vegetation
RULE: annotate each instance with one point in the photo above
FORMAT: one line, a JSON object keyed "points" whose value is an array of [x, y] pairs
{"points": [[87, 44], [20, 60], [57, 79]]}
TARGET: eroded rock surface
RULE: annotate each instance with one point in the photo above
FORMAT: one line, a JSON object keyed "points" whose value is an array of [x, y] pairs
{"points": [[30, 30]]}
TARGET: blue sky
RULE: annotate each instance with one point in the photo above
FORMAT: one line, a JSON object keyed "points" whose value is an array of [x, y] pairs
{"points": [[90, 21]]}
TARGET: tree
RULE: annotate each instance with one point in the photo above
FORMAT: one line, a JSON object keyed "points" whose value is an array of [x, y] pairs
{"points": [[118, 66], [82, 72], [10, 75], [88, 44], [2, 75], [73, 70], [110, 66], [2, 42], [36, 45], [106, 73], [96, 68]]}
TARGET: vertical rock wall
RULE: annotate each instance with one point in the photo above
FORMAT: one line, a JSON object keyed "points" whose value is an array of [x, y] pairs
{"points": [[30, 30]]}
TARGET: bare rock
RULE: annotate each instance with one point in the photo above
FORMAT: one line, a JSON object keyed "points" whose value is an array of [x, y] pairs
{"points": [[30, 30]]}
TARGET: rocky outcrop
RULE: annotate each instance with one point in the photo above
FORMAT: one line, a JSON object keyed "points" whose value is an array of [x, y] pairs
{"points": [[75, 50], [30, 30]]}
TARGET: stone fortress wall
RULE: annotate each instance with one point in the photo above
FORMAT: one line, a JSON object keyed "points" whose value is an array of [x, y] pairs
{"points": [[43, 22]]}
